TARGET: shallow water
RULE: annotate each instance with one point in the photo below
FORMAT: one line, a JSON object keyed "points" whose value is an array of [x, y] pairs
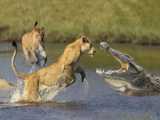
{"points": [[97, 101]]}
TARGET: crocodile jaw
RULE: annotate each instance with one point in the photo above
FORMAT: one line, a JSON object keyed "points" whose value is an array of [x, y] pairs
{"points": [[122, 86]]}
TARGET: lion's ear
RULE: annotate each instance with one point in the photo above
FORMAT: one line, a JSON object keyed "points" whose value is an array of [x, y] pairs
{"points": [[35, 24]]}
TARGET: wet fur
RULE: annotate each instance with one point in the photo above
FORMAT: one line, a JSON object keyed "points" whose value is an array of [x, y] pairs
{"points": [[31, 42], [60, 73]]}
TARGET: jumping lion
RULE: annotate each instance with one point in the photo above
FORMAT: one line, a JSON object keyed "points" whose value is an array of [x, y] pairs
{"points": [[33, 46], [60, 73]]}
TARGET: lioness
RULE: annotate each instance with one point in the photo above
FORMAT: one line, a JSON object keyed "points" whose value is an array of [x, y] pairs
{"points": [[33, 46], [4, 84], [60, 73]]}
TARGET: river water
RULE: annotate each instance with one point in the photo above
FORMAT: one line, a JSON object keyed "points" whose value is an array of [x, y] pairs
{"points": [[94, 100]]}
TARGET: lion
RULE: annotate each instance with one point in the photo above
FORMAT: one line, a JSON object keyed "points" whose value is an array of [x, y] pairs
{"points": [[61, 73], [33, 46], [4, 84]]}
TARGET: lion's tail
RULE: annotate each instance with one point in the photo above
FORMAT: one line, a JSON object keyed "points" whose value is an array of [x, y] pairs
{"points": [[18, 74]]}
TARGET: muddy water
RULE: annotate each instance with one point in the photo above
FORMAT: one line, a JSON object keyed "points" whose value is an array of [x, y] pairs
{"points": [[95, 101]]}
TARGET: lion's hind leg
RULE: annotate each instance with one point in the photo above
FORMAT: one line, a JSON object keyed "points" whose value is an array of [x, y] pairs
{"points": [[31, 90]]}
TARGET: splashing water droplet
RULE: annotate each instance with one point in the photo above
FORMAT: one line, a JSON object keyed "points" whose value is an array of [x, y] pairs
{"points": [[17, 93], [49, 93]]}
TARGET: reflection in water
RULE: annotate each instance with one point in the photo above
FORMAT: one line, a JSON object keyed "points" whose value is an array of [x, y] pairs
{"points": [[84, 89]]}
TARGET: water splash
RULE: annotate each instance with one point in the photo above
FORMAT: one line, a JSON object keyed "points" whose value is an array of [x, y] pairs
{"points": [[85, 89], [49, 93], [103, 72], [17, 94]]}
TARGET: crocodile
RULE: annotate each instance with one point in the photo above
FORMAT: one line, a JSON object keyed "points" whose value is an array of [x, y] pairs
{"points": [[133, 84], [134, 80]]}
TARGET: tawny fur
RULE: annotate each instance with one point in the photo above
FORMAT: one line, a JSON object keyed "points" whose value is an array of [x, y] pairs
{"points": [[62, 72], [4, 84], [31, 42]]}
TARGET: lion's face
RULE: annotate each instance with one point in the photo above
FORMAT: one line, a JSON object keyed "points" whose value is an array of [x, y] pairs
{"points": [[39, 34], [86, 46]]}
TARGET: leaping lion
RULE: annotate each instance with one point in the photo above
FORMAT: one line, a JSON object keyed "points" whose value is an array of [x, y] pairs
{"points": [[33, 46], [60, 73]]}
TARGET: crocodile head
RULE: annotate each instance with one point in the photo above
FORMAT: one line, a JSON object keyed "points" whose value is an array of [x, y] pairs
{"points": [[130, 84]]}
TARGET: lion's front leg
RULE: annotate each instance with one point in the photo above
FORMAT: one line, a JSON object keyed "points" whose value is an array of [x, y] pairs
{"points": [[80, 70], [66, 79]]}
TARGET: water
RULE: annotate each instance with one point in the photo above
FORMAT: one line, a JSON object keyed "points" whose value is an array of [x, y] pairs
{"points": [[91, 100]]}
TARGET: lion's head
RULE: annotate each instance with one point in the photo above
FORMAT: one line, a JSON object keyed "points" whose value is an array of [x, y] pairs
{"points": [[86, 46], [38, 32]]}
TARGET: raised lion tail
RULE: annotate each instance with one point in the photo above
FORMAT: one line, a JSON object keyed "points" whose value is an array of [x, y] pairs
{"points": [[18, 74]]}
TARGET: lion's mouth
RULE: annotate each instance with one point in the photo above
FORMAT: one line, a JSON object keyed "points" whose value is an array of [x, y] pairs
{"points": [[91, 54]]}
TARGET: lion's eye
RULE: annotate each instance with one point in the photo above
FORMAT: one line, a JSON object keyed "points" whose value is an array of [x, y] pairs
{"points": [[85, 40]]}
